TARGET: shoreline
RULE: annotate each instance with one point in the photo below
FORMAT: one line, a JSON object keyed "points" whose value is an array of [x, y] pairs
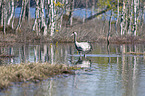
{"points": [[112, 40], [34, 72]]}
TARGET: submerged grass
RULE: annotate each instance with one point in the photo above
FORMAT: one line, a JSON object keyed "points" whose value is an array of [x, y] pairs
{"points": [[30, 72]]}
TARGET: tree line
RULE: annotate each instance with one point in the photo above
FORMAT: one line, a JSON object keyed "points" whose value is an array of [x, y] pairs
{"points": [[128, 14]]}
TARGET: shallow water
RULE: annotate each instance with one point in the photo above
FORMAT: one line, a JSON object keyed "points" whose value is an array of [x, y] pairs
{"points": [[108, 71]]}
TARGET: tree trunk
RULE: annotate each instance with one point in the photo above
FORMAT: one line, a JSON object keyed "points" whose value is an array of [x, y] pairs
{"points": [[93, 7], [27, 13], [86, 13], [129, 19], [109, 29], [43, 23], [70, 20], [4, 15], [122, 23], [37, 17], [21, 16], [116, 23], [11, 16], [61, 18], [47, 19], [52, 22], [1, 13], [142, 17], [135, 2], [104, 23]]}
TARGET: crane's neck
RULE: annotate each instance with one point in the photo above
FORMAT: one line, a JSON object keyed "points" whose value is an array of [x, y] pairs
{"points": [[75, 38]]}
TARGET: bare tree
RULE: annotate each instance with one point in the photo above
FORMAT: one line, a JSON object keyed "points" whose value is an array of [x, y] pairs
{"points": [[123, 20], [109, 29], [70, 20], [4, 15], [42, 16], [11, 14], [52, 15], [22, 14], [40, 25], [135, 7]]}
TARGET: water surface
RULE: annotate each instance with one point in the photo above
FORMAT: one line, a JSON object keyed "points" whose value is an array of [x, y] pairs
{"points": [[108, 71]]}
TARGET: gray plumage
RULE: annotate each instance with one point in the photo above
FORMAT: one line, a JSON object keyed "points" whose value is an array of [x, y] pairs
{"points": [[82, 47]]}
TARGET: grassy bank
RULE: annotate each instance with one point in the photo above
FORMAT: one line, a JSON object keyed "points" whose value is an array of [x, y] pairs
{"points": [[30, 72], [93, 31]]}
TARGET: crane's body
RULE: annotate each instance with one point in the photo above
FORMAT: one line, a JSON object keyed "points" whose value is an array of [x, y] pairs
{"points": [[82, 47]]}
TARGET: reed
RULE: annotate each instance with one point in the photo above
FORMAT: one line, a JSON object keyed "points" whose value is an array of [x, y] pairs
{"points": [[30, 72]]}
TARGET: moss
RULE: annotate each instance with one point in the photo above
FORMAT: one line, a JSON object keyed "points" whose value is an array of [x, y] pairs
{"points": [[31, 72]]}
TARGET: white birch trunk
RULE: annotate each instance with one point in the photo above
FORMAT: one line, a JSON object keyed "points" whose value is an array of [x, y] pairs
{"points": [[122, 23], [21, 16], [52, 23], [93, 7], [44, 26], [35, 25], [12, 24], [135, 2], [9, 21]]}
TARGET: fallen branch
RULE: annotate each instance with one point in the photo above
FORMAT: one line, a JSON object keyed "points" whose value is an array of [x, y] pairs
{"points": [[97, 14]]}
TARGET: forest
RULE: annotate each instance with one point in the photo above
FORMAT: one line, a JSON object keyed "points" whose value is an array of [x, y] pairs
{"points": [[54, 20]]}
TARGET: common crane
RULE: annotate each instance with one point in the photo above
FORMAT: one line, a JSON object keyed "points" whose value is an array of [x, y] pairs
{"points": [[82, 47]]}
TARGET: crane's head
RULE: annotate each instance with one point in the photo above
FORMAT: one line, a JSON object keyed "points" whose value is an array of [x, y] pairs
{"points": [[74, 33]]}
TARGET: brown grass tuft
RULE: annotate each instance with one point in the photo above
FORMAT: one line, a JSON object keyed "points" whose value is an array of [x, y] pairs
{"points": [[30, 72]]}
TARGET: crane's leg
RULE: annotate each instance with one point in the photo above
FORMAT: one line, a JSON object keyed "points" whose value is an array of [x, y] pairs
{"points": [[85, 55], [80, 53]]}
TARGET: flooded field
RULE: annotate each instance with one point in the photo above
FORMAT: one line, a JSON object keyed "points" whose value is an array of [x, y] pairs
{"points": [[108, 70]]}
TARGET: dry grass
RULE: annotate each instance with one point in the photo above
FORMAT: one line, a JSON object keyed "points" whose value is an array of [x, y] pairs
{"points": [[30, 72], [94, 31]]}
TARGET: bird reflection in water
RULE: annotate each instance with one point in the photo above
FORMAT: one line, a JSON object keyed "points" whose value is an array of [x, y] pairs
{"points": [[83, 63]]}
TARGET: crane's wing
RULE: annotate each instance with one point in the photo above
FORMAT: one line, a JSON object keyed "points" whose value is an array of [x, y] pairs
{"points": [[85, 46]]}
